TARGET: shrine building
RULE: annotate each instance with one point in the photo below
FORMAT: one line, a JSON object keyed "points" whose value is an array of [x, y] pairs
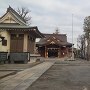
{"points": [[54, 45], [19, 37]]}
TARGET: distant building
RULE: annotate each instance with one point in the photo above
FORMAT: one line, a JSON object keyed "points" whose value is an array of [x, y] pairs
{"points": [[18, 36], [54, 45]]}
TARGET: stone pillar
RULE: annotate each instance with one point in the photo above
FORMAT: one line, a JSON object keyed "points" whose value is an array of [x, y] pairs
{"points": [[59, 52], [25, 42], [45, 51], [67, 51], [34, 47]]}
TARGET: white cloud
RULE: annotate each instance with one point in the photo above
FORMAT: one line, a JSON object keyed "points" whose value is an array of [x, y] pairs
{"points": [[49, 14]]}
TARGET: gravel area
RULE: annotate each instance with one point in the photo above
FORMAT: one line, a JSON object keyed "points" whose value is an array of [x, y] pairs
{"points": [[65, 75]]}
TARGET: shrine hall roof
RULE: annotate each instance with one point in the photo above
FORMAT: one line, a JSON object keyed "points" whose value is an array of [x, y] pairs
{"points": [[58, 39]]}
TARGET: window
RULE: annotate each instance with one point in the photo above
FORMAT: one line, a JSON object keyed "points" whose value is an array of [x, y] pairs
{"points": [[21, 35], [31, 38], [13, 36], [17, 36], [4, 42]]}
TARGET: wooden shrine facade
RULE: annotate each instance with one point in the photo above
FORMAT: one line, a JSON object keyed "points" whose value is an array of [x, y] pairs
{"points": [[19, 36], [54, 45]]}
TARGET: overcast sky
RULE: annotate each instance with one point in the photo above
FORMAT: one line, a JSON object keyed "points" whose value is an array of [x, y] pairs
{"points": [[51, 14]]}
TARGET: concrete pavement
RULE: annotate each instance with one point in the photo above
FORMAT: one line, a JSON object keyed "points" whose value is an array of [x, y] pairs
{"points": [[9, 69], [65, 75], [22, 80]]}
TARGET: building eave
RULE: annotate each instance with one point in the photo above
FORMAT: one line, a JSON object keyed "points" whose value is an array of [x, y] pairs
{"points": [[34, 30]]}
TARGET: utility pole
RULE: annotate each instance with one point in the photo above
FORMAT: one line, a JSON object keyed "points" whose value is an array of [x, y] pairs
{"points": [[72, 58]]}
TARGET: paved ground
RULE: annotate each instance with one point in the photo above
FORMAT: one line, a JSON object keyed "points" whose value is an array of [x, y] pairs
{"points": [[65, 75], [22, 80], [10, 69], [6, 73]]}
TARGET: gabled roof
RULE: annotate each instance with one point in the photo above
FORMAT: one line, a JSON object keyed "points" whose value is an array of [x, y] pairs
{"points": [[58, 39], [15, 15], [20, 25], [61, 37]]}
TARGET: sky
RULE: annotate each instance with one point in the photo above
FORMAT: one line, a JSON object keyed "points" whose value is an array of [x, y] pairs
{"points": [[49, 15]]}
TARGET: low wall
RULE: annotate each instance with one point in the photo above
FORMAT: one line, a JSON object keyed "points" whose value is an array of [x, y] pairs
{"points": [[19, 57], [35, 57]]}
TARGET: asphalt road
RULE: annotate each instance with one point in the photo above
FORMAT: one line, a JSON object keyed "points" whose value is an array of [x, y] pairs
{"points": [[65, 75]]}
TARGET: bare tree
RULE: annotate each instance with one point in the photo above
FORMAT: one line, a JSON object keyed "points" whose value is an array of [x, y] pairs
{"points": [[24, 13], [87, 24], [87, 33], [82, 45]]}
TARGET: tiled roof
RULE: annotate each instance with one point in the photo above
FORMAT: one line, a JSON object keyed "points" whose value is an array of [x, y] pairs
{"points": [[11, 9], [33, 30], [59, 39], [20, 25], [62, 37], [15, 14]]}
